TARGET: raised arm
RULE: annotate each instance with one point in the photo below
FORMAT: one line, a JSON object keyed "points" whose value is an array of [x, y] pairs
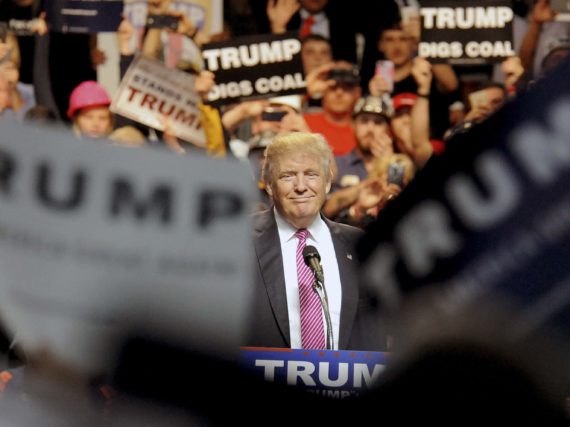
{"points": [[541, 14], [422, 73], [280, 12]]}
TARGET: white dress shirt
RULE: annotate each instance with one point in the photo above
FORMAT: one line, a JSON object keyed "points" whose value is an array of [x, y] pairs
{"points": [[320, 238], [321, 25]]}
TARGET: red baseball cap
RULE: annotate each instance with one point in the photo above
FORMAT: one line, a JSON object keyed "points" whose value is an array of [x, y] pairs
{"points": [[405, 99]]}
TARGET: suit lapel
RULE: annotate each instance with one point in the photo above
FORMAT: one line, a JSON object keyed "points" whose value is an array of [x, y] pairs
{"points": [[268, 250], [347, 270]]}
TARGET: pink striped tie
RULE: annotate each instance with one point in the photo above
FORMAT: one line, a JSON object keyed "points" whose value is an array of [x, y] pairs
{"points": [[312, 328]]}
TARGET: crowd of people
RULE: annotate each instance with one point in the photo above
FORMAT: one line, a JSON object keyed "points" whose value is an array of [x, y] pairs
{"points": [[416, 114], [339, 153]]}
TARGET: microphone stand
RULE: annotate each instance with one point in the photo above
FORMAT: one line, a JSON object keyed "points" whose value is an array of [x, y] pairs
{"points": [[320, 290]]}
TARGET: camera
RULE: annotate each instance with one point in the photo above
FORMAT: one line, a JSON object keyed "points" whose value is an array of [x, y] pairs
{"points": [[162, 21], [271, 115], [344, 75]]}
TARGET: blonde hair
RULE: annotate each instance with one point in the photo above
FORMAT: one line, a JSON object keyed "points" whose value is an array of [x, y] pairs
{"points": [[309, 144]]}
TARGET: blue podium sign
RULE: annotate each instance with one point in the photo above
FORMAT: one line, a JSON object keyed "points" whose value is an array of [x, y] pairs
{"points": [[335, 374]]}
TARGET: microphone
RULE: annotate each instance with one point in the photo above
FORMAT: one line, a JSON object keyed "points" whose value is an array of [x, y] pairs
{"points": [[313, 261]]}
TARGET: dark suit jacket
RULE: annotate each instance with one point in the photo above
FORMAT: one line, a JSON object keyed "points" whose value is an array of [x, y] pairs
{"points": [[342, 26], [270, 319], [342, 30], [345, 20]]}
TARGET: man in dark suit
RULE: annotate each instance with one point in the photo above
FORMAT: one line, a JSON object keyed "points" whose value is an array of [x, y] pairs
{"points": [[297, 174], [338, 21]]}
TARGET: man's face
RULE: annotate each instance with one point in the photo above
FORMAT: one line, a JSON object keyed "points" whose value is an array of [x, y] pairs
{"points": [[298, 188], [340, 98], [396, 46], [370, 129], [313, 6], [315, 53], [495, 97], [94, 122]]}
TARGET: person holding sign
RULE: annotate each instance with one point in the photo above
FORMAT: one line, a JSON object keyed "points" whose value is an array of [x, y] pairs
{"points": [[297, 173], [209, 119]]}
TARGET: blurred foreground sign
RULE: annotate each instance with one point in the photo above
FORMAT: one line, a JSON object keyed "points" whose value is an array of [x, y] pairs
{"points": [[97, 239], [490, 219]]}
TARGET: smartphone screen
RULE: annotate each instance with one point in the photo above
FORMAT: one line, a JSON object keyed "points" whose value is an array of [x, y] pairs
{"points": [[386, 70], [270, 115], [396, 174]]}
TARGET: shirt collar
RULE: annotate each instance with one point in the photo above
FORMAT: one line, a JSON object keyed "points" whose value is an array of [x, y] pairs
{"points": [[287, 231], [317, 17]]}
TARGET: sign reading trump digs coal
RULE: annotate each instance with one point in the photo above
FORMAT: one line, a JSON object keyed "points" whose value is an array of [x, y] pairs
{"points": [[466, 32], [255, 67]]}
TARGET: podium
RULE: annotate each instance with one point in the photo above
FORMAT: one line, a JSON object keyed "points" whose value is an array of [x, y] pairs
{"points": [[334, 374]]}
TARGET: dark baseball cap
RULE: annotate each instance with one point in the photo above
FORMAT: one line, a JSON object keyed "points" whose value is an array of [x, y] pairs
{"points": [[347, 75], [373, 105]]}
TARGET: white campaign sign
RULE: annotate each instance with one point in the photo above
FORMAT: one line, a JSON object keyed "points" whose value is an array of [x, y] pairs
{"points": [[150, 91], [95, 239]]}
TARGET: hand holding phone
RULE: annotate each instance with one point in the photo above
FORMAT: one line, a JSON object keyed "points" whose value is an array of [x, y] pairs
{"points": [[386, 70], [396, 174], [163, 21]]}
